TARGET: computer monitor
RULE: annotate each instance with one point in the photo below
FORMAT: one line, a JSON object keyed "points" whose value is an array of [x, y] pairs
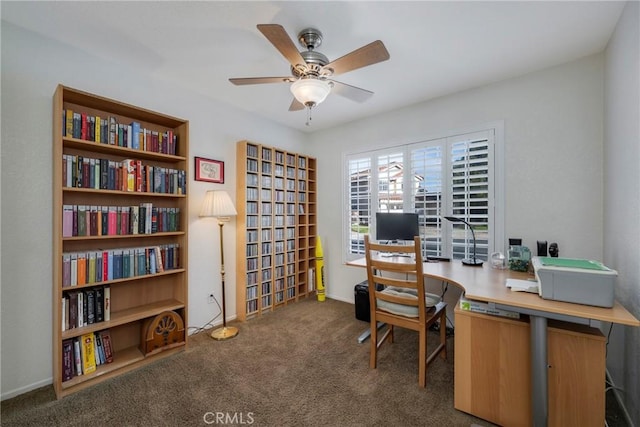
{"points": [[394, 226]]}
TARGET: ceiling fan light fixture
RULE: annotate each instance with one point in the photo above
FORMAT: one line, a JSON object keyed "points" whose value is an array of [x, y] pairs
{"points": [[310, 92]]}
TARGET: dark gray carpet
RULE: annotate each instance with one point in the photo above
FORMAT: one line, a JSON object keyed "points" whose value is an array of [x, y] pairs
{"points": [[298, 366]]}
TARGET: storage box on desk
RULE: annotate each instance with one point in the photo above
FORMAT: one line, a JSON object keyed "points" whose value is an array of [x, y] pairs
{"points": [[578, 281], [484, 308]]}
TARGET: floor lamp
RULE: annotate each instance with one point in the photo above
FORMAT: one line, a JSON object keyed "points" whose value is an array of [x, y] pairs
{"points": [[218, 204]]}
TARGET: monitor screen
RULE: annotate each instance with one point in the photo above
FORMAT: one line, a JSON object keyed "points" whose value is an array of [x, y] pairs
{"points": [[396, 226]]}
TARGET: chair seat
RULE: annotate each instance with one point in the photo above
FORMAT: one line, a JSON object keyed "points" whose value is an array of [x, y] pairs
{"points": [[403, 309]]}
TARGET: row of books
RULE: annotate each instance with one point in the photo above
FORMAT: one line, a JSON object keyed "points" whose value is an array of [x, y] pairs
{"points": [[86, 307], [252, 151], [126, 175], [82, 355], [108, 130], [91, 267], [279, 170], [86, 220]]}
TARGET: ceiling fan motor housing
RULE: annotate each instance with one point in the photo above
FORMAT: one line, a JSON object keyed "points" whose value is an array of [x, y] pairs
{"points": [[310, 38], [313, 67]]}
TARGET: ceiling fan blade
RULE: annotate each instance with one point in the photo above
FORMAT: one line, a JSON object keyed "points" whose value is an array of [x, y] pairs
{"points": [[280, 39], [354, 93], [296, 105], [370, 54], [259, 80]]}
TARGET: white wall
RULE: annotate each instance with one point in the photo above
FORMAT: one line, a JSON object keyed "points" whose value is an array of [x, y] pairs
{"points": [[622, 197], [31, 69], [553, 158]]}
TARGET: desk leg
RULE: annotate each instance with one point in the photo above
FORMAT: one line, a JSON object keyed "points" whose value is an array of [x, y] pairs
{"points": [[539, 374]]}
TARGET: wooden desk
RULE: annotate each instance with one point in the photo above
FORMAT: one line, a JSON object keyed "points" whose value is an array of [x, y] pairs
{"points": [[488, 285]]}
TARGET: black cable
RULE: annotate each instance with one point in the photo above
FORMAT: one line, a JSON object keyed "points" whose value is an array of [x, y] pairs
{"points": [[202, 328], [444, 285], [606, 346]]}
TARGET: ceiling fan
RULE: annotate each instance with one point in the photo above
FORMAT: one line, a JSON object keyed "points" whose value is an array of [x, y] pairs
{"points": [[311, 71]]}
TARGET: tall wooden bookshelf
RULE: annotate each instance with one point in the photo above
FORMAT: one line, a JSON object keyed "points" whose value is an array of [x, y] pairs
{"points": [[126, 257], [276, 232]]}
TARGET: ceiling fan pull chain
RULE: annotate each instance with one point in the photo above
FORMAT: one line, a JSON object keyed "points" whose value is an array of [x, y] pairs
{"points": [[308, 123]]}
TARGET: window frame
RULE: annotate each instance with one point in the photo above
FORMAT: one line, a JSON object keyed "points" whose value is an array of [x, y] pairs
{"points": [[496, 206]]}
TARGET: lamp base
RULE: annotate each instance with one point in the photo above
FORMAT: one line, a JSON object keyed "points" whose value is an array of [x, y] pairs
{"points": [[224, 333], [472, 262]]}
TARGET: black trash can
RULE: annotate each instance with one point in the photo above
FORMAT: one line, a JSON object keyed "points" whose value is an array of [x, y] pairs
{"points": [[361, 293]]}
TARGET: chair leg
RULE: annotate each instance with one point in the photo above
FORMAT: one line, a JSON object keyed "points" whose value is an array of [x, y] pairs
{"points": [[422, 359], [373, 353]]}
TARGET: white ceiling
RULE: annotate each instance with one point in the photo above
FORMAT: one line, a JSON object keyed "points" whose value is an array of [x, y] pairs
{"points": [[436, 48]]}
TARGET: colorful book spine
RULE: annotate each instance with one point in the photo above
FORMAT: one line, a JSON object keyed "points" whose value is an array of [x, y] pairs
{"points": [[68, 363], [66, 270], [67, 221], [107, 345], [77, 356], [98, 129], [69, 123], [88, 356], [99, 352], [107, 303]]}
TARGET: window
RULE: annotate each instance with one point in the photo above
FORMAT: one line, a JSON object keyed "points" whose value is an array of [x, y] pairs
{"points": [[458, 175]]}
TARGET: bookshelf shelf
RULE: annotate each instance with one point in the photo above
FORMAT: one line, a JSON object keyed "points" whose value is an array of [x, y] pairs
{"points": [[120, 233], [276, 193], [125, 280], [73, 143], [124, 357], [126, 316], [124, 236], [122, 193], [124, 361]]}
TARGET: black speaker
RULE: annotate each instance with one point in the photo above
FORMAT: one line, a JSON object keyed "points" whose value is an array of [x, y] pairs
{"points": [[542, 248]]}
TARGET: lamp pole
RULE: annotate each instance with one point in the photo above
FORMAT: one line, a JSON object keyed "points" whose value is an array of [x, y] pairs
{"points": [[218, 204], [471, 262], [225, 332]]}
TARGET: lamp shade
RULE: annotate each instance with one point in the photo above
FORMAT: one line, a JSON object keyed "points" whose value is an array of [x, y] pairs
{"points": [[217, 203], [310, 92]]}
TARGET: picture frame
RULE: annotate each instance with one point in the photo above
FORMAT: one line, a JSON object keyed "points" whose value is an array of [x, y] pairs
{"points": [[209, 170]]}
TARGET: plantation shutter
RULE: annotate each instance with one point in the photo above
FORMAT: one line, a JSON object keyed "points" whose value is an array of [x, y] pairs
{"points": [[359, 202], [426, 196], [449, 176], [470, 189], [390, 182]]}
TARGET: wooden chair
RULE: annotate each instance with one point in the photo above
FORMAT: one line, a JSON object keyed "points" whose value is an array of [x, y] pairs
{"points": [[400, 301]]}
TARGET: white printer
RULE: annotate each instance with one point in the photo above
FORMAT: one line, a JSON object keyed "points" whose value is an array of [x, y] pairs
{"points": [[579, 281]]}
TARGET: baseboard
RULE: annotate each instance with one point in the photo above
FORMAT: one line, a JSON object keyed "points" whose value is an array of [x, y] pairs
{"points": [[349, 301], [26, 389]]}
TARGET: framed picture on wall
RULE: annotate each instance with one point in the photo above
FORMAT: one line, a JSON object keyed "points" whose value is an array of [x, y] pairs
{"points": [[209, 170]]}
